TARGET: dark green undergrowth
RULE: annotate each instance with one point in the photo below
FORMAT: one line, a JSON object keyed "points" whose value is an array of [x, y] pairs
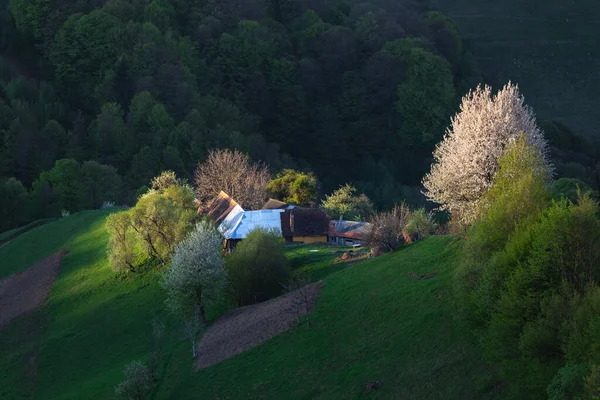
{"points": [[371, 322]]}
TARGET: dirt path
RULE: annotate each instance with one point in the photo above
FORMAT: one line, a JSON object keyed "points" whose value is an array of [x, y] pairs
{"points": [[4, 244], [246, 327], [27, 290]]}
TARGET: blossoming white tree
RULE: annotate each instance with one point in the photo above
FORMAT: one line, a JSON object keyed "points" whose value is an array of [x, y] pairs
{"points": [[466, 160], [197, 275]]}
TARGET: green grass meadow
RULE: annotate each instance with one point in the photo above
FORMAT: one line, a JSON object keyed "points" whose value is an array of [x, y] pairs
{"points": [[371, 322]]}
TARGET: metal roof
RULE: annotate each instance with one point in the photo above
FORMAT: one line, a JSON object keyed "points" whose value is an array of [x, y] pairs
{"points": [[349, 229], [242, 222]]}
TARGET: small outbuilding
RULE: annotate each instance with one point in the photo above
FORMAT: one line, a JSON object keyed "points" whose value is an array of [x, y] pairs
{"points": [[348, 233]]}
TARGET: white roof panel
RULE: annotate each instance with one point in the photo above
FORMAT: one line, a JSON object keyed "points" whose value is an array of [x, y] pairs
{"points": [[227, 227], [250, 220]]}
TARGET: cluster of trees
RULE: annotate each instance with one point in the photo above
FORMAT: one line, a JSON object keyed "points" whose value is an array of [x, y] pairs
{"points": [[147, 86], [529, 277], [68, 185]]}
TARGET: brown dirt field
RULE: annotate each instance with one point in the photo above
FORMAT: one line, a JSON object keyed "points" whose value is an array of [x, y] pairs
{"points": [[27, 290], [246, 327]]}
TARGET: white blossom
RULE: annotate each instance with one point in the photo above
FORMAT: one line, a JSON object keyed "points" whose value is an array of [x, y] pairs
{"points": [[197, 275], [466, 160]]}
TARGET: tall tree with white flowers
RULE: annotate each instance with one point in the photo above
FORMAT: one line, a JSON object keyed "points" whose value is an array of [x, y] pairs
{"points": [[466, 160], [197, 275]]}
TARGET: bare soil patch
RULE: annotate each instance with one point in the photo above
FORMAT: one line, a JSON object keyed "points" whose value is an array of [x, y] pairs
{"points": [[25, 291], [246, 327]]}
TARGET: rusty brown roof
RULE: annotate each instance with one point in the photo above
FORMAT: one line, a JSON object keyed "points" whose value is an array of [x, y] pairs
{"points": [[273, 204], [349, 229], [220, 207], [304, 222]]}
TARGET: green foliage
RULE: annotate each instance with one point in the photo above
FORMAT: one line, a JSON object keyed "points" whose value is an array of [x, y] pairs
{"points": [[568, 383], [161, 218], [101, 182], [592, 384], [13, 202], [420, 223], [568, 188], [293, 187], [65, 180], [257, 267], [137, 383], [497, 240], [425, 99], [122, 251], [346, 204]]}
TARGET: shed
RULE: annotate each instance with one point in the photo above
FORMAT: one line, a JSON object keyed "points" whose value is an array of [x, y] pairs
{"points": [[348, 233], [305, 225]]}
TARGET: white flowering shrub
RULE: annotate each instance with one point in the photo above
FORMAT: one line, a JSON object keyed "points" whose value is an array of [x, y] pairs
{"points": [[197, 275], [466, 161], [64, 213]]}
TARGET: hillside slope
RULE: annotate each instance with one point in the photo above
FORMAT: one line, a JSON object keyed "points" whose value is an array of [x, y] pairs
{"points": [[373, 321], [550, 48]]}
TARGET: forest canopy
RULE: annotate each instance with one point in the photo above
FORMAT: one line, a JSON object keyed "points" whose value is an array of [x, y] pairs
{"points": [[352, 92]]}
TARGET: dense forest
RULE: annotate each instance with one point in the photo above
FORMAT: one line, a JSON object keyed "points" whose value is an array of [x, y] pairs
{"points": [[119, 90]]}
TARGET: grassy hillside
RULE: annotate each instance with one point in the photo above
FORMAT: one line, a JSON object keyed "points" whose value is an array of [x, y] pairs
{"points": [[551, 48], [372, 322]]}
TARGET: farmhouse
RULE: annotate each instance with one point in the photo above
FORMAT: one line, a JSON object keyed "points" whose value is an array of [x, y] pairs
{"points": [[295, 224], [348, 233]]}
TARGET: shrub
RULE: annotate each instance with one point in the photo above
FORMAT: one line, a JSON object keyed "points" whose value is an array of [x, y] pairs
{"points": [[420, 223], [137, 383], [387, 228], [257, 267]]}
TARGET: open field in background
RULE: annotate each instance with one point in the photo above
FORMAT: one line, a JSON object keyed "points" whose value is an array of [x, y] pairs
{"points": [[550, 48], [372, 321]]}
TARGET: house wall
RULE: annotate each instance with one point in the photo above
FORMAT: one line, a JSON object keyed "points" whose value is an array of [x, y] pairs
{"points": [[341, 241], [309, 239]]}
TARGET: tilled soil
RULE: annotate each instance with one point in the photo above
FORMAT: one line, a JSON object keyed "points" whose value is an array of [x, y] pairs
{"points": [[246, 327], [27, 290]]}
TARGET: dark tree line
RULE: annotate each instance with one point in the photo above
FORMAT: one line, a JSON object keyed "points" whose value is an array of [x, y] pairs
{"points": [[352, 91]]}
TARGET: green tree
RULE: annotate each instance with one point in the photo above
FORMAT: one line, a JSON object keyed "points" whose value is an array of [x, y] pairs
{"points": [[84, 46], [13, 203], [516, 199], [293, 187], [110, 137], [66, 183], [122, 245], [101, 182], [345, 203], [257, 267], [425, 99]]}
